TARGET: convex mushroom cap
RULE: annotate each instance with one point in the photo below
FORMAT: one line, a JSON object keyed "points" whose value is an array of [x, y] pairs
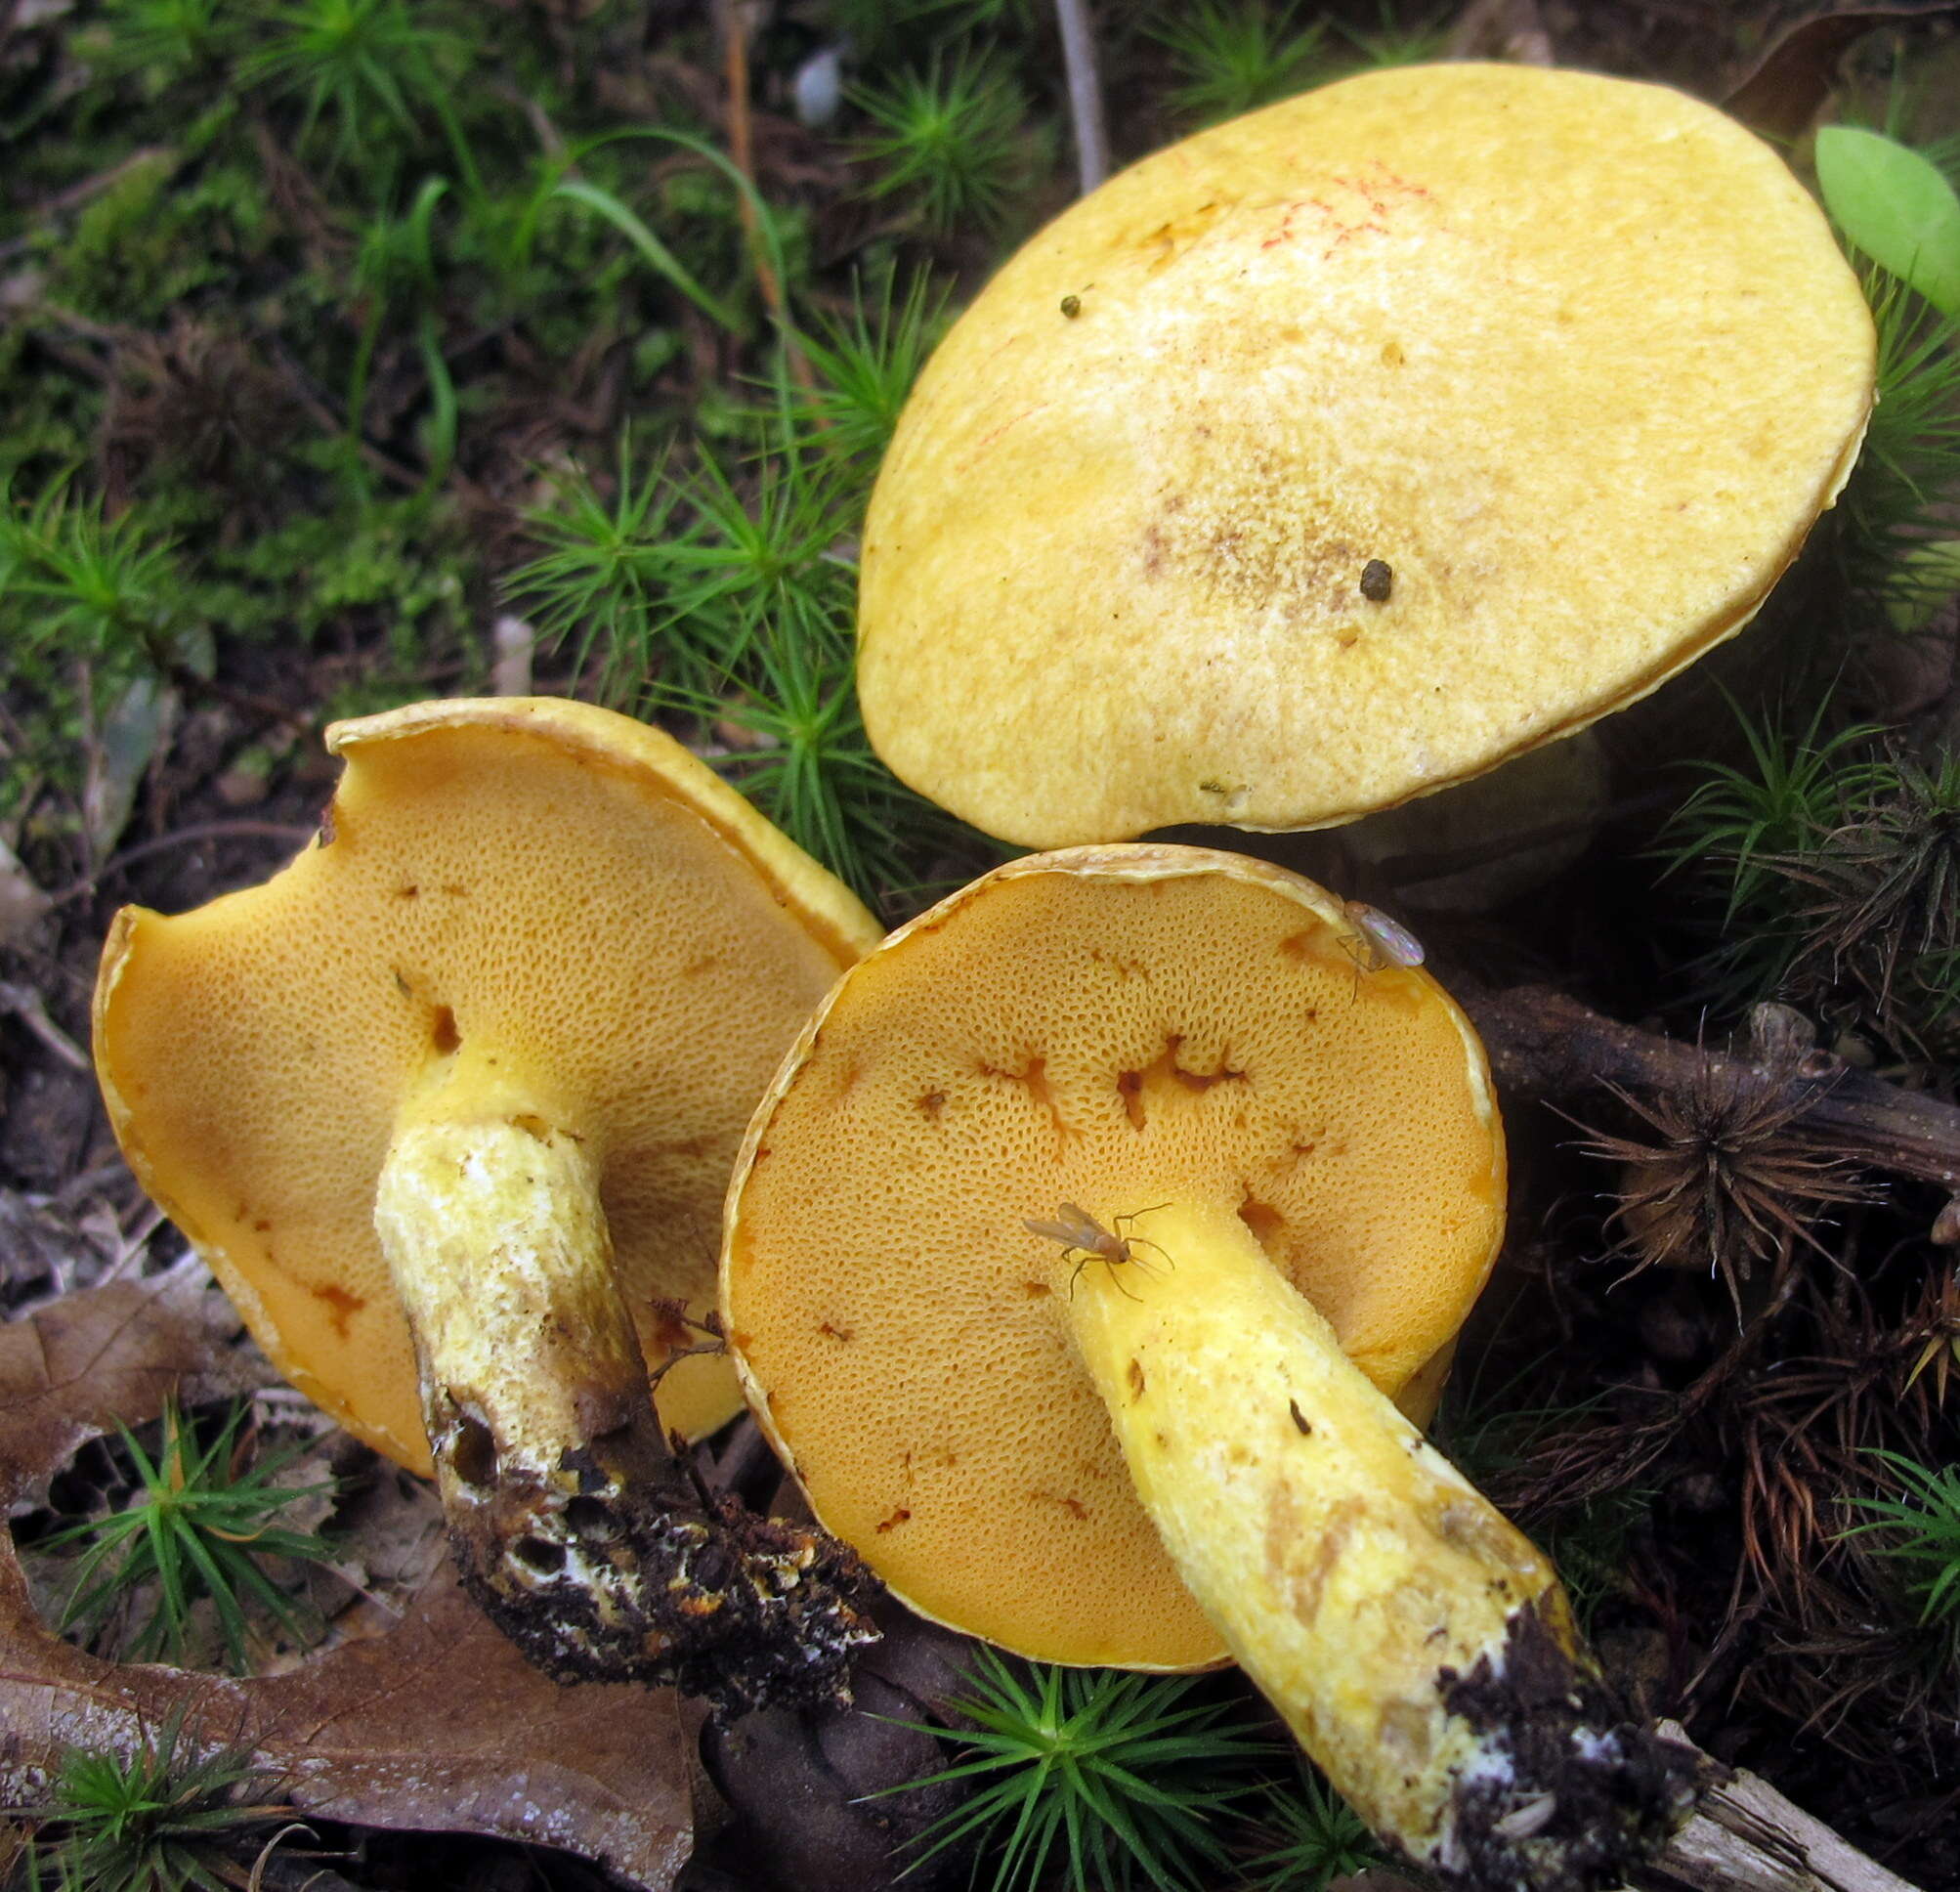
{"points": [[464, 1082], [1030, 1264], [1343, 451]]}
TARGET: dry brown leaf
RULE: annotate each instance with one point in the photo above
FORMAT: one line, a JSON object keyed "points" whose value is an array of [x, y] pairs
{"points": [[1787, 87], [71, 1370], [438, 1724]]}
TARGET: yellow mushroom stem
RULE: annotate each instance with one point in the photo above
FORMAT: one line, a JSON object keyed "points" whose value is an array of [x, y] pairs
{"points": [[1417, 1644], [571, 1522]]}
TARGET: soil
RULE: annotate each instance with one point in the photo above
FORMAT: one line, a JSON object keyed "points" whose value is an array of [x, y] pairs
{"points": [[1701, 1425]]}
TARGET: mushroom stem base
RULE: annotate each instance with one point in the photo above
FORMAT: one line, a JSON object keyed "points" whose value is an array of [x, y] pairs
{"points": [[571, 1522], [1416, 1643]]}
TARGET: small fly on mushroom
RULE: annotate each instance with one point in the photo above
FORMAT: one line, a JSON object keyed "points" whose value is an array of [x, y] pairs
{"points": [[1080, 1233], [1378, 942]]}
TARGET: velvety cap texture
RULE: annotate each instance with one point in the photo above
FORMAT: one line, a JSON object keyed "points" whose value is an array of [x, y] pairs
{"points": [[1397, 429]]}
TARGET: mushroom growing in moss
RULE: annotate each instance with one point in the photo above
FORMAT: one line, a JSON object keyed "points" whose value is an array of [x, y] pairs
{"points": [[1073, 1263], [1398, 428], [450, 1104]]}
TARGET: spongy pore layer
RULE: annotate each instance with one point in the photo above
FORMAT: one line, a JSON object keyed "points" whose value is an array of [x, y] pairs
{"points": [[543, 889], [1112, 1029]]}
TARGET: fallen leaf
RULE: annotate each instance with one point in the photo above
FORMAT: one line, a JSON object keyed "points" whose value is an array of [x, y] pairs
{"points": [[1784, 91], [437, 1725], [70, 1372], [21, 901]]}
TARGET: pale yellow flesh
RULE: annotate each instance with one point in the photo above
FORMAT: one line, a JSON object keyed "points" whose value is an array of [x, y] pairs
{"points": [[1344, 1562], [1578, 359]]}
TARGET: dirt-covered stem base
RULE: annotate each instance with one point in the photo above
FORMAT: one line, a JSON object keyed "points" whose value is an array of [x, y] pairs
{"points": [[571, 1522], [1417, 1644]]}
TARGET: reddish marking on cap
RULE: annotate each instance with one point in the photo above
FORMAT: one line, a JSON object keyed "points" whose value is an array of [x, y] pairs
{"points": [[993, 434]]}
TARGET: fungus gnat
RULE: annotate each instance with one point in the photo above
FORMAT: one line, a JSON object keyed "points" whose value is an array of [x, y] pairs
{"points": [[1378, 579], [1377, 940], [1080, 1233]]}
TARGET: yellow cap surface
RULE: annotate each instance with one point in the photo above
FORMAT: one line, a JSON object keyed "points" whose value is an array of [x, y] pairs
{"points": [[564, 891], [1108, 1027], [1576, 359]]}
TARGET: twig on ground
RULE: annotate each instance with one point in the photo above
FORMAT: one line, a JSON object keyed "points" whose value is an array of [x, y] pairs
{"points": [[740, 149], [182, 838], [1091, 131], [25, 1003], [1545, 1045], [1744, 1836]]}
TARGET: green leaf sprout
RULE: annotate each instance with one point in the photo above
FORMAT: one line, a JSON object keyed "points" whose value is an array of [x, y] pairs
{"points": [[197, 1530], [1120, 1775], [1896, 206]]}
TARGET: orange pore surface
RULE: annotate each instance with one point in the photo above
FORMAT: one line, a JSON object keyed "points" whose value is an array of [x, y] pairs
{"points": [[1062, 1034], [481, 887]]}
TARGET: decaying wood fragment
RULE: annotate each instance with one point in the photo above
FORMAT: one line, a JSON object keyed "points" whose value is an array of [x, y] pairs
{"points": [[1543, 1044], [1744, 1836]]}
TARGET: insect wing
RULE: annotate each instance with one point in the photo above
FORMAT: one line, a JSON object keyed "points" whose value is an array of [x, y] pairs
{"points": [[1073, 1227], [1395, 943]]}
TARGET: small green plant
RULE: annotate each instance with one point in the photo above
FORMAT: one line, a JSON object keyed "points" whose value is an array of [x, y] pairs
{"points": [[1393, 42], [171, 39], [865, 366], [154, 1822], [1896, 204], [725, 595], [1900, 497], [197, 1530], [948, 141], [1843, 871], [1920, 1533], [599, 579], [356, 63], [75, 582], [1310, 1838], [1120, 1775], [1233, 55], [1739, 827]]}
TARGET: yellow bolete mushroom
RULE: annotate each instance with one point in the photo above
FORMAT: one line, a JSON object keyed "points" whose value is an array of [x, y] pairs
{"points": [[1074, 1263], [450, 1105], [1341, 451]]}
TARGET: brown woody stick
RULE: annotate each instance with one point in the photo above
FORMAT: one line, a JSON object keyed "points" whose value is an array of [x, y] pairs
{"points": [[1545, 1045]]}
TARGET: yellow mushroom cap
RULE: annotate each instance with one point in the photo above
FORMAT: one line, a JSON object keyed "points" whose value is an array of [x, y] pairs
{"points": [[565, 895], [1577, 360], [1106, 1028]]}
